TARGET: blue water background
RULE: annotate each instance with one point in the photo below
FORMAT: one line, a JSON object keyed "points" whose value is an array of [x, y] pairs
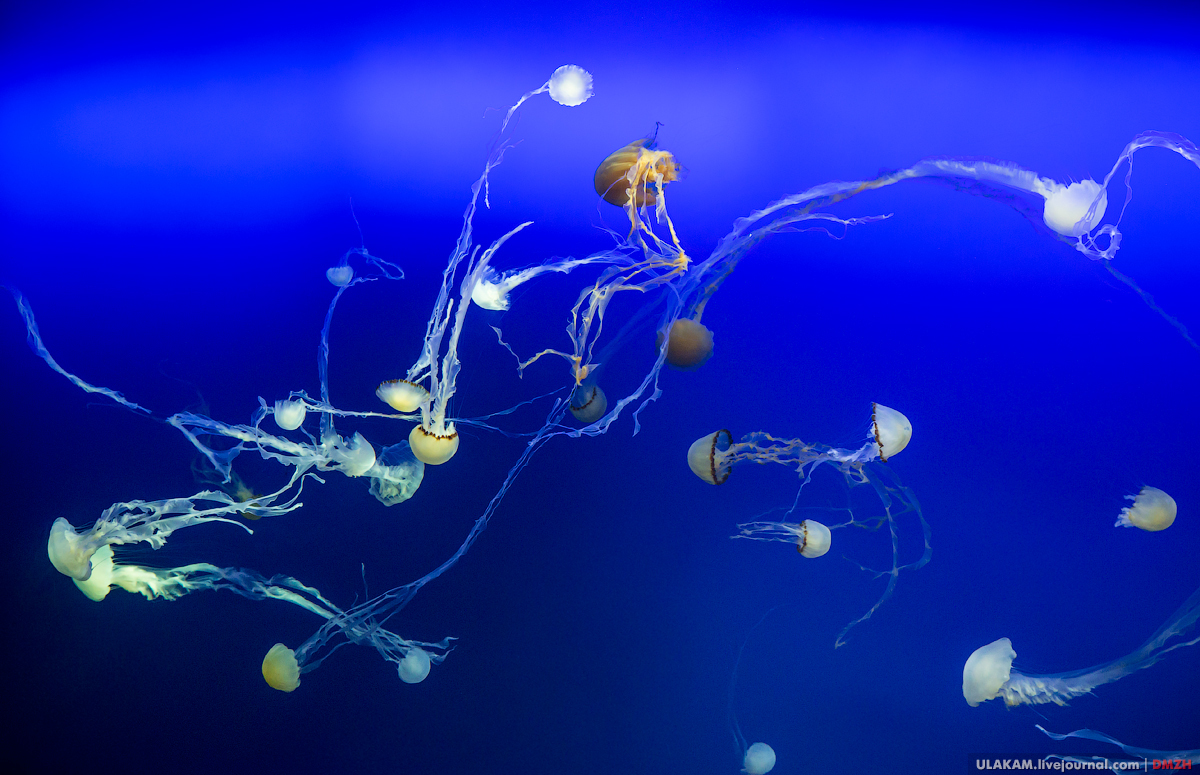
{"points": [[175, 185]]}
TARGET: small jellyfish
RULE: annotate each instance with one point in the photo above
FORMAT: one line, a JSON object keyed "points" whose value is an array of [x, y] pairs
{"points": [[280, 669], [290, 414], [396, 475], [588, 403], [570, 85], [689, 344], [340, 275], [402, 395], [414, 667], [1152, 510], [759, 759], [988, 672]]}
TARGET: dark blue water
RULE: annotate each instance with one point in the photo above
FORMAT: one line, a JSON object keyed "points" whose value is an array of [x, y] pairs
{"points": [[175, 186]]}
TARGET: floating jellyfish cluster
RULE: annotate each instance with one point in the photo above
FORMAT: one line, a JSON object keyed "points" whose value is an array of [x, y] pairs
{"points": [[672, 289]]}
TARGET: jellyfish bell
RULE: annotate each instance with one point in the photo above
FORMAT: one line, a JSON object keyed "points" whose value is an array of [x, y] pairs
{"points": [[396, 474], [759, 759], [570, 85], [987, 669], [813, 538], [1152, 510], [415, 666], [636, 166], [707, 459], [354, 456], [340, 275], [689, 344], [588, 403], [402, 395], [289, 415], [280, 668], [97, 585], [69, 551], [433, 448], [891, 429], [1067, 208]]}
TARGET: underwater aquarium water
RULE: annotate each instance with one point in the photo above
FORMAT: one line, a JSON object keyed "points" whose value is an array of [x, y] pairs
{"points": [[382, 389]]}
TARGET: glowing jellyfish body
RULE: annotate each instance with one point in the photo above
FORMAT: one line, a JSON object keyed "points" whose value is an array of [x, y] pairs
{"points": [[340, 276], [280, 669], [396, 475], [759, 759], [414, 667], [987, 669], [988, 672], [570, 85], [1152, 510], [1074, 210], [402, 395], [289, 415]]}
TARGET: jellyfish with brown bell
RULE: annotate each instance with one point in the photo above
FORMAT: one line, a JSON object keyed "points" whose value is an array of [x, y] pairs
{"points": [[713, 456], [638, 167]]}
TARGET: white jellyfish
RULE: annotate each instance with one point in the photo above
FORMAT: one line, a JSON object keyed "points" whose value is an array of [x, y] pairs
{"points": [[396, 475], [570, 85], [414, 667], [1074, 210], [289, 415], [988, 672], [71, 551], [1152, 510], [402, 395], [712, 457], [759, 759]]}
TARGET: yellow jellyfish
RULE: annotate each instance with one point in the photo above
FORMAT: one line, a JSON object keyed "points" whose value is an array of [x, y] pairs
{"points": [[1152, 510], [280, 668]]}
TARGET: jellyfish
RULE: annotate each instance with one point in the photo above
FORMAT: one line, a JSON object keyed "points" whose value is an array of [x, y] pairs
{"points": [[396, 475], [71, 551], [638, 167], [570, 85], [588, 403], [759, 759], [713, 456], [988, 671], [1151, 759], [689, 344], [1152, 510]]}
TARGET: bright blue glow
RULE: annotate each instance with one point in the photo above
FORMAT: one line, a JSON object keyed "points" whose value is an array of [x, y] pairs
{"points": [[171, 211]]}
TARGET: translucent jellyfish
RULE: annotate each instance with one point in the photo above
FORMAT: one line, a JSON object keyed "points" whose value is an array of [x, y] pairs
{"points": [[71, 551], [280, 670], [988, 672], [396, 474], [341, 275], [289, 415], [1151, 759], [713, 456], [1152, 510], [759, 759], [570, 85]]}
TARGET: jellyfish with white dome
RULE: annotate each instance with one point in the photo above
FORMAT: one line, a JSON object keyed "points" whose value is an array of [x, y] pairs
{"points": [[713, 456], [988, 672], [1152, 510]]}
